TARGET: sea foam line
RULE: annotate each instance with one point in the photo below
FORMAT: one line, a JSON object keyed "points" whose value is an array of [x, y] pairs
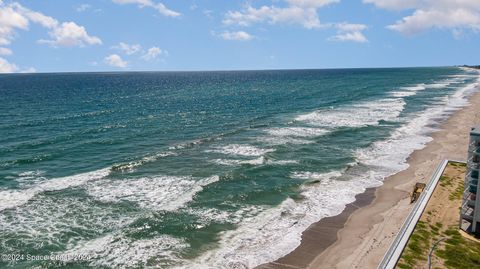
{"points": [[167, 193], [276, 231], [15, 198], [241, 150], [120, 251], [130, 166], [356, 115]]}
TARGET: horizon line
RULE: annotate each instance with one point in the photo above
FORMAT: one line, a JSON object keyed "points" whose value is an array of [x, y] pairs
{"points": [[226, 70]]}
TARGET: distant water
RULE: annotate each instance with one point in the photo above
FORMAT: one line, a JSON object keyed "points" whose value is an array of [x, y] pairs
{"points": [[203, 169]]}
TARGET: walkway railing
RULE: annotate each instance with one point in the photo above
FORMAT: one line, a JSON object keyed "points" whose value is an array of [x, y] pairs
{"points": [[393, 254]]}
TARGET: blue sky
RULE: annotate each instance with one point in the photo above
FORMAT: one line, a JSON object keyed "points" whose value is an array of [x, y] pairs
{"points": [[134, 35]]}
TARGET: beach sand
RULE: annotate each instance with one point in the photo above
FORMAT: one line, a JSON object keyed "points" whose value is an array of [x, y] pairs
{"points": [[360, 236]]}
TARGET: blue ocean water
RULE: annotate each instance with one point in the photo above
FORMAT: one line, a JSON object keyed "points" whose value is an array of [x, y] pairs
{"points": [[201, 169]]}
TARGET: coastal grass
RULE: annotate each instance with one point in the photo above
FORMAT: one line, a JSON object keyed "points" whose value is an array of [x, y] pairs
{"points": [[439, 222], [458, 251]]}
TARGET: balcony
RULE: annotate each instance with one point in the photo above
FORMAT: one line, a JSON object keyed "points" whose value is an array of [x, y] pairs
{"points": [[467, 212], [472, 175], [469, 200], [475, 151], [474, 143], [469, 196], [473, 163], [472, 189]]}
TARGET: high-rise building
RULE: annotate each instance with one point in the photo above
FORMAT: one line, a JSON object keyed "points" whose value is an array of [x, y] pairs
{"points": [[470, 211]]}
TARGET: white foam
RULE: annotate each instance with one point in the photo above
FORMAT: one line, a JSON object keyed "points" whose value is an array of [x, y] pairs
{"points": [[49, 220], [282, 140], [241, 150], [390, 155], [120, 251], [403, 94], [418, 87], [158, 193], [315, 175], [282, 162], [438, 85], [412, 90], [297, 131], [208, 215], [15, 198], [30, 178], [130, 166], [356, 115], [276, 231], [258, 161]]}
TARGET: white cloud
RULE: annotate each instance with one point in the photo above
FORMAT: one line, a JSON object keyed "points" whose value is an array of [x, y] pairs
{"points": [[10, 19], [351, 36], [153, 53], [208, 13], [147, 55], [350, 27], [434, 14], [128, 49], [349, 32], [83, 7], [6, 67], [5, 51], [161, 8], [311, 3], [69, 34], [14, 16], [238, 36], [116, 61], [303, 12], [394, 4]]}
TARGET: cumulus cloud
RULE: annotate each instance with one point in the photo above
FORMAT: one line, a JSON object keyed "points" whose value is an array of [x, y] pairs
{"points": [[128, 49], [431, 14], [6, 67], [161, 8], [134, 49], [238, 36], [116, 61], [10, 20], [14, 16], [394, 4], [349, 32], [69, 34], [5, 51], [152, 53], [303, 12]]}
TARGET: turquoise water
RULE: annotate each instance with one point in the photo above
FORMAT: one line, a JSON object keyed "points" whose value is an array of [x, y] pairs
{"points": [[201, 169]]}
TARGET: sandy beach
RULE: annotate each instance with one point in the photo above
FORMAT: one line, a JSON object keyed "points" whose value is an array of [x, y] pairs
{"points": [[359, 237]]}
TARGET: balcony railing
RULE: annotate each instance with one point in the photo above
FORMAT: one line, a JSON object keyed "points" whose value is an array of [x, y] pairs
{"points": [[475, 151], [467, 212], [472, 189], [472, 175], [473, 163]]}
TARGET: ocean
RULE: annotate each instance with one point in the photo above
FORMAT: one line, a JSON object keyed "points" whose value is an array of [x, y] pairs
{"points": [[201, 169]]}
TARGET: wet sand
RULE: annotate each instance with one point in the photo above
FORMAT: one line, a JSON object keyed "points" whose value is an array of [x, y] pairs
{"points": [[362, 233]]}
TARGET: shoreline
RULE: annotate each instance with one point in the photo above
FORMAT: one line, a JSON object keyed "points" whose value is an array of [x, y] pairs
{"points": [[361, 234]]}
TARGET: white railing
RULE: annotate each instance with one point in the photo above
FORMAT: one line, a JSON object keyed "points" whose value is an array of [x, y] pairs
{"points": [[395, 250]]}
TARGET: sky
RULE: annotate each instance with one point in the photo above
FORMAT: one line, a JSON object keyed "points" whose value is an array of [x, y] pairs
{"points": [[172, 35]]}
